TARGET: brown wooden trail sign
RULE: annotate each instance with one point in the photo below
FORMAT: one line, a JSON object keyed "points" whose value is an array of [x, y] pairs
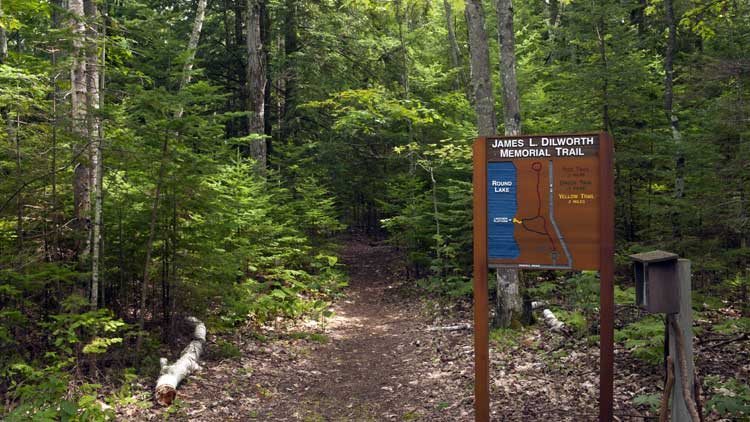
{"points": [[543, 202]]}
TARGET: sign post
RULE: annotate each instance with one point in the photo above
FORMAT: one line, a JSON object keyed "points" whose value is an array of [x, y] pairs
{"points": [[543, 202]]}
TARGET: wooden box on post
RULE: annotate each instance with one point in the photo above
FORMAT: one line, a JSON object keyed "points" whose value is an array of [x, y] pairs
{"points": [[657, 288]]}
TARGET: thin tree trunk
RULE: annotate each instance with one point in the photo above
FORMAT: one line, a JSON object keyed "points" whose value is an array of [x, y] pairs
{"points": [[13, 134], [94, 132], [184, 81], [507, 43], [265, 39], [241, 43], [3, 39], [195, 35], [601, 36], [679, 182], [150, 242], [291, 47], [508, 297], [456, 61], [78, 95], [480, 68], [402, 17], [56, 118], [256, 81]]}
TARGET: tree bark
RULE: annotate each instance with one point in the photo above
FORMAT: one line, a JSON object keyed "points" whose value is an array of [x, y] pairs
{"points": [[94, 137], [685, 383], [3, 39], [601, 36], [291, 47], [508, 304], [456, 61], [664, 406], [78, 97], [481, 81], [256, 81], [195, 35], [172, 375], [507, 43], [679, 181]]}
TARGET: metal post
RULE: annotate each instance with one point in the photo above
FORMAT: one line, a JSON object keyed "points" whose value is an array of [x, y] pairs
{"points": [[481, 300], [685, 321], [606, 277]]}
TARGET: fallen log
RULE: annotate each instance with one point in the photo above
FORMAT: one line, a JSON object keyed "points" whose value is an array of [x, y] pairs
{"points": [[172, 375], [457, 327], [552, 322]]}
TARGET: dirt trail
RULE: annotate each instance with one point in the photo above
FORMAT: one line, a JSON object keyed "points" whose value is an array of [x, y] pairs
{"points": [[376, 360], [376, 363]]}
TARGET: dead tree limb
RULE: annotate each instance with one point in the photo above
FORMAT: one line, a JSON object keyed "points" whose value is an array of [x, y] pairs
{"points": [[686, 384], [457, 327], [172, 375], [551, 320], [664, 408]]}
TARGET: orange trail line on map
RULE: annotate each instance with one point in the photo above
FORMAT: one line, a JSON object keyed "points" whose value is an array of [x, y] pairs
{"points": [[537, 167]]}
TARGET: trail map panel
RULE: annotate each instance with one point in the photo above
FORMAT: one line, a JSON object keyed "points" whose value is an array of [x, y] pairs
{"points": [[543, 204]]}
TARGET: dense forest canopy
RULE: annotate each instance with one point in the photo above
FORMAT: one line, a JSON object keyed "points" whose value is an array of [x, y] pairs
{"points": [[164, 158]]}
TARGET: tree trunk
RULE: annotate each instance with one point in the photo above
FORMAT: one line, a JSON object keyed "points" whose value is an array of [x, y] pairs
{"points": [[455, 53], [94, 138], [195, 35], [481, 81], [291, 47], [13, 135], [508, 306], [78, 96], [172, 375], [256, 81], [184, 80], [679, 182], [402, 17], [507, 43], [601, 32], [3, 39]]}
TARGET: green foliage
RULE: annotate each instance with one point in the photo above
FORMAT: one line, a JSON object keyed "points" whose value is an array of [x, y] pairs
{"points": [[506, 338], [651, 401], [227, 350], [370, 128], [731, 326], [729, 399], [644, 339], [576, 320], [624, 296]]}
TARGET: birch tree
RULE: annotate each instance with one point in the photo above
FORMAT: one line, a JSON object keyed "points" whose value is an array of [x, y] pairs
{"points": [[679, 180], [256, 82], [195, 34], [508, 300], [94, 138], [78, 99]]}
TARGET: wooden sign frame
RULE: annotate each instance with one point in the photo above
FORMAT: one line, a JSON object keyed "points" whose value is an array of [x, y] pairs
{"points": [[606, 271]]}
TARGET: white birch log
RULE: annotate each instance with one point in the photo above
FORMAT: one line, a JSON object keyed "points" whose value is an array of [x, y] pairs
{"points": [[539, 304], [551, 320], [172, 375], [457, 327]]}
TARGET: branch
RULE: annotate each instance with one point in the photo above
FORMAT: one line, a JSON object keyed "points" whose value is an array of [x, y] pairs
{"points": [[741, 337], [664, 409], [172, 375], [23, 186], [686, 394]]}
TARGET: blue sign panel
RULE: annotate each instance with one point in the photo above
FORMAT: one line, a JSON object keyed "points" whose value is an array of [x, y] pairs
{"points": [[502, 205]]}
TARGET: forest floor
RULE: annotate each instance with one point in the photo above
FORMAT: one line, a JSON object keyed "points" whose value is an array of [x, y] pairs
{"points": [[381, 357]]}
